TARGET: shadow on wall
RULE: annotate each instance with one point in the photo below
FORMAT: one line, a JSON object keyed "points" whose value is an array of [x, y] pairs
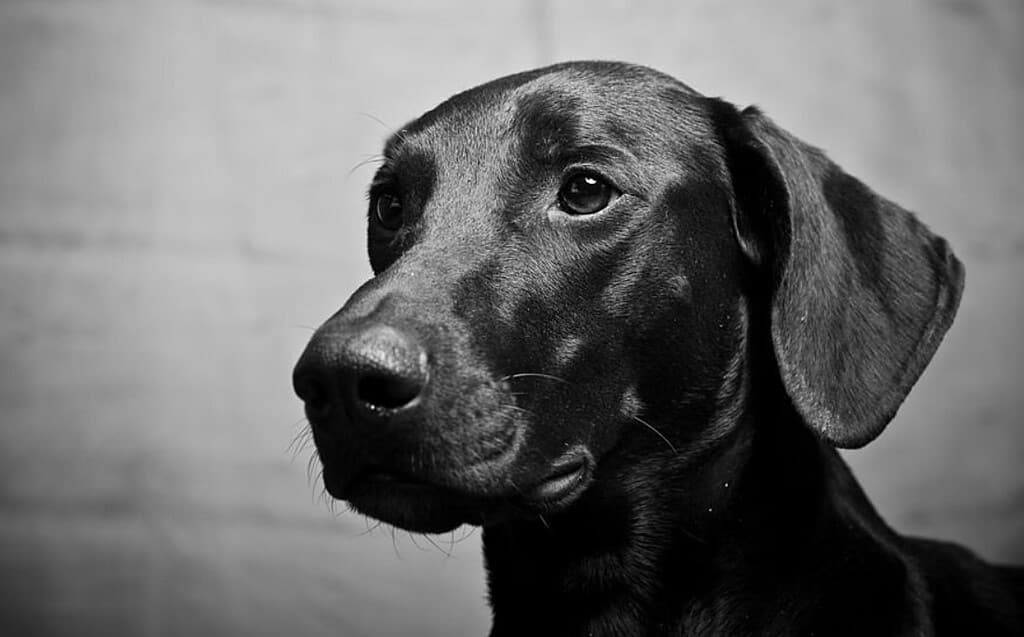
{"points": [[177, 213]]}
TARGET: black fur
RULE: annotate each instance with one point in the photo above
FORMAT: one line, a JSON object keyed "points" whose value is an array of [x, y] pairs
{"points": [[640, 406]]}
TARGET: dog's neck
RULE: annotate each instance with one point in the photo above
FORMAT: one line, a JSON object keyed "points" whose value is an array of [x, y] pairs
{"points": [[625, 560]]}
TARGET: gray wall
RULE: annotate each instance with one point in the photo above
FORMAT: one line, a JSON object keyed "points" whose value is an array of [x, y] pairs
{"points": [[179, 205]]}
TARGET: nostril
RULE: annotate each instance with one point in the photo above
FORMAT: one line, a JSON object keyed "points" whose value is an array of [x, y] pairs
{"points": [[388, 392], [312, 392]]}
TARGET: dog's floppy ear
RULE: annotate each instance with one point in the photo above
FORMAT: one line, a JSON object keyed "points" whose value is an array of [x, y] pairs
{"points": [[861, 291]]}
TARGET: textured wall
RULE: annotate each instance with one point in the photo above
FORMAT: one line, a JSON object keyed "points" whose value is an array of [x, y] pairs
{"points": [[180, 201]]}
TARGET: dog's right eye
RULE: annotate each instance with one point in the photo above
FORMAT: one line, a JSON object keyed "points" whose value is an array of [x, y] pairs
{"points": [[585, 194], [388, 209]]}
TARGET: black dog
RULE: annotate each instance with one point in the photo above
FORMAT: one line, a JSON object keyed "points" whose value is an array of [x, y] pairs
{"points": [[622, 326]]}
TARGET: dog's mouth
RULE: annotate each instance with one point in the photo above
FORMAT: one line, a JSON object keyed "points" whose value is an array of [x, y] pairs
{"points": [[402, 500], [413, 503]]}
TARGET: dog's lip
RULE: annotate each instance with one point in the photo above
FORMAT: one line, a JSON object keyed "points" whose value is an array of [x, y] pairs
{"points": [[401, 500], [569, 477], [380, 477]]}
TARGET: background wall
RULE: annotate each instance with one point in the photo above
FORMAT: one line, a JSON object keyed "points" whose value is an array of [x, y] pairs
{"points": [[181, 201]]}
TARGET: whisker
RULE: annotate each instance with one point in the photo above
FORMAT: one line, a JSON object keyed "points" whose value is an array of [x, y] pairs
{"points": [[535, 375], [518, 408], [320, 495], [544, 522], [299, 443], [394, 543], [311, 467], [466, 534], [369, 160], [438, 546], [376, 119], [414, 542], [370, 528], [691, 535], [660, 435], [332, 507]]}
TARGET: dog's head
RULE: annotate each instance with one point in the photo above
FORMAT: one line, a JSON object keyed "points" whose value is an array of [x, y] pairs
{"points": [[567, 265]]}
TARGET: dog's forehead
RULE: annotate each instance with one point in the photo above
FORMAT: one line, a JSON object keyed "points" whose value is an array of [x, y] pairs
{"points": [[569, 104]]}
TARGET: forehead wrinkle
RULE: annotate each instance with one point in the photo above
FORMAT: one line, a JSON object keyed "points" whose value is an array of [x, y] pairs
{"points": [[468, 155], [598, 122], [463, 143]]}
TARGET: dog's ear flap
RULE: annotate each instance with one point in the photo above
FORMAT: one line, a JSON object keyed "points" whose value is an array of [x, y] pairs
{"points": [[861, 291]]}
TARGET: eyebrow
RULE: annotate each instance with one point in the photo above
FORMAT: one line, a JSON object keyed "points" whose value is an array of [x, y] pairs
{"points": [[394, 143], [382, 178], [392, 148], [595, 152]]}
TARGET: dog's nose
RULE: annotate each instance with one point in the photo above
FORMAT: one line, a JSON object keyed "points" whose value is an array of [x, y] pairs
{"points": [[376, 372]]}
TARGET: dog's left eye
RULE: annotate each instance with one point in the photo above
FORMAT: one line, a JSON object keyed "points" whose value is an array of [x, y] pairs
{"points": [[585, 194], [388, 209]]}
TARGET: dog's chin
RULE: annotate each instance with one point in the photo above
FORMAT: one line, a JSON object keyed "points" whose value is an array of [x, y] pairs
{"points": [[404, 503]]}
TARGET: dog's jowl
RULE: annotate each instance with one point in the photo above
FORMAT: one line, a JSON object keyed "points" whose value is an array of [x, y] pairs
{"points": [[623, 327]]}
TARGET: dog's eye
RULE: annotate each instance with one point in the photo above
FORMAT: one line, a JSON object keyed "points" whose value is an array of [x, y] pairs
{"points": [[388, 209], [585, 194]]}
